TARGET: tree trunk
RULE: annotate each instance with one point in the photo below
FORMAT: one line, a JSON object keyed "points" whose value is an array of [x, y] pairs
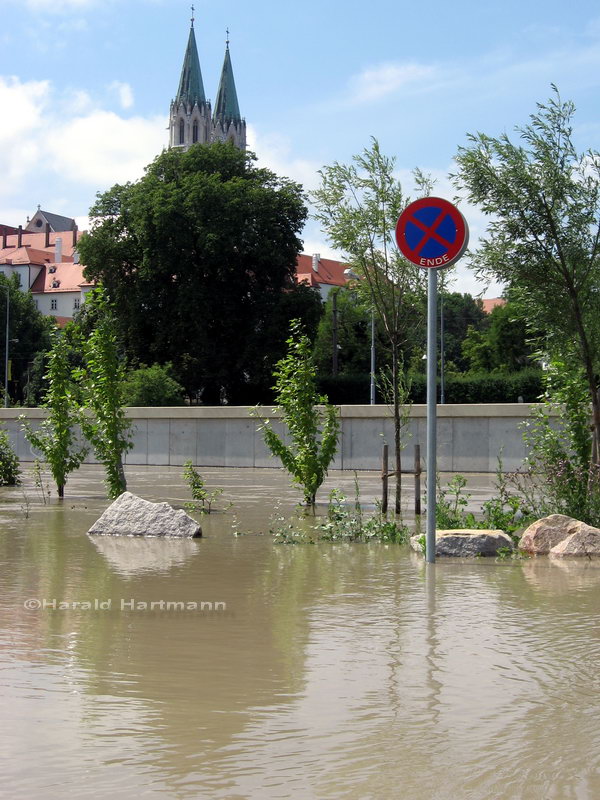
{"points": [[61, 491], [121, 474]]}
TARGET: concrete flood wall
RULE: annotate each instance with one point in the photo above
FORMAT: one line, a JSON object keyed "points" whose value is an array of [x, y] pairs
{"points": [[470, 437]]}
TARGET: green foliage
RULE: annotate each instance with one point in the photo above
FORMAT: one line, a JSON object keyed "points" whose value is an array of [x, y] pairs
{"points": [[506, 511], [470, 388], [203, 499], [451, 505], [199, 256], [29, 336], [343, 523], [558, 438], [9, 463], [460, 312], [353, 336], [152, 386], [543, 240], [101, 379], [56, 439], [314, 433], [358, 206], [349, 524], [502, 344]]}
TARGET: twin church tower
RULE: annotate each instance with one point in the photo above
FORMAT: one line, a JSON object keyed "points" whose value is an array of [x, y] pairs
{"points": [[191, 119]]}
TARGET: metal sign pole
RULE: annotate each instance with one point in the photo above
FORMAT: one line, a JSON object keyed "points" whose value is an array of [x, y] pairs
{"points": [[431, 233], [431, 412]]}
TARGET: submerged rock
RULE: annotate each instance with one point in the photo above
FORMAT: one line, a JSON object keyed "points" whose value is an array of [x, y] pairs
{"points": [[466, 542], [585, 541], [545, 534], [130, 515]]}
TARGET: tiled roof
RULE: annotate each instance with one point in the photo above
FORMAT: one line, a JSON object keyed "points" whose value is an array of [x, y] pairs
{"points": [[35, 244], [489, 303], [24, 255], [58, 223], [330, 272], [67, 277]]}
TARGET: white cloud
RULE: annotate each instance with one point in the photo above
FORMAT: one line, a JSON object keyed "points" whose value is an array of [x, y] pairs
{"points": [[275, 153], [102, 148], [54, 141], [376, 82], [19, 135], [124, 93]]}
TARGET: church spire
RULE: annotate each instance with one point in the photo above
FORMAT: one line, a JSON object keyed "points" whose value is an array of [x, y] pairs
{"points": [[191, 88], [226, 104], [227, 120]]}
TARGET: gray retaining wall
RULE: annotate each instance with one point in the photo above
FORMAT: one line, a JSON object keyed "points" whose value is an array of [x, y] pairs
{"points": [[470, 437]]}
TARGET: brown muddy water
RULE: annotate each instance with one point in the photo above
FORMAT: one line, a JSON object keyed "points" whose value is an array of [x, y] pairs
{"points": [[327, 671]]}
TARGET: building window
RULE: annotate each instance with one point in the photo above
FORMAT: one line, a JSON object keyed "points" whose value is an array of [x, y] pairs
{"points": [[76, 303], [195, 131], [53, 304], [181, 131]]}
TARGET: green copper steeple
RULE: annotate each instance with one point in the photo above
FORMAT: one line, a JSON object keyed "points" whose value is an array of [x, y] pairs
{"points": [[191, 88], [226, 105]]}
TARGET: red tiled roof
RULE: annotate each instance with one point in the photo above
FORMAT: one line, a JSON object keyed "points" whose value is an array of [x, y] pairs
{"points": [[68, 276], [37, 241], [330, 272], [490, 303], [24, 255]]}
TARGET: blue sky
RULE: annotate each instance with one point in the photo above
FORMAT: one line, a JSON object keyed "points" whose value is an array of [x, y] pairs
{"points": [[85, 86]]}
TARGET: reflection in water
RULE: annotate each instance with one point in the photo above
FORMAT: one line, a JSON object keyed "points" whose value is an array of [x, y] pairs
{"points": [[131, 555], [336, 671]]}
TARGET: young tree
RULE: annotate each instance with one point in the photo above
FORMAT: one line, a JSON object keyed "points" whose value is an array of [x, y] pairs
{"points": [[101, 379], [314, 432], [358, 206], [56, 438], [199, 256], [543, 239]]}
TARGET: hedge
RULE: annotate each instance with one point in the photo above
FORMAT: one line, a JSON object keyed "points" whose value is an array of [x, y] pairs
{"points": [[469, 388]]}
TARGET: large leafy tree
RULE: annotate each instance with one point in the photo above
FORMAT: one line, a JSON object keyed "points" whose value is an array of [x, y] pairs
{"points": [[543, 238], [199, 257], [358, 205], [29, 336]]}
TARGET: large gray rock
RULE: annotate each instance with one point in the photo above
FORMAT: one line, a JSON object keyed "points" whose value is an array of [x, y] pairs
{"points": [[544, 534], [130, 515], [585, 541], [466, 542]]}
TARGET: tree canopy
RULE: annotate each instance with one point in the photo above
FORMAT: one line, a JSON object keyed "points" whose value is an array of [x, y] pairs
{"points": [[199, 258], [543, 237]]}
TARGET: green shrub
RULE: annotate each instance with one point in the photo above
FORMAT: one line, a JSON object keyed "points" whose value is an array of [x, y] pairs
{"points": [[152, 386], [9, 463]]}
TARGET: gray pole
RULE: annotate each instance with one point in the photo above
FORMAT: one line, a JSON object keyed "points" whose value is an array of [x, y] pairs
{"points": [[442, 382], [372, 386], [6, 349], [431, 412]]}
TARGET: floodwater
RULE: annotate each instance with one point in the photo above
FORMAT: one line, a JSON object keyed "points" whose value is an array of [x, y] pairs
{"points": [[319, 671]]}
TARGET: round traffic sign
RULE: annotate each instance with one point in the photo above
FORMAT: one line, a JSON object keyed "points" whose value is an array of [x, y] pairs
{"points": [[432, 233]]}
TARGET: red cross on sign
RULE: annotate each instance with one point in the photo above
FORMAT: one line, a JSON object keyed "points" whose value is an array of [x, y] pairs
{"points": [[432, 233]]}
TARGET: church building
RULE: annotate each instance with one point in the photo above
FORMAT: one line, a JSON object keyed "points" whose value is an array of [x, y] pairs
{"points": [[191, 118]]}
